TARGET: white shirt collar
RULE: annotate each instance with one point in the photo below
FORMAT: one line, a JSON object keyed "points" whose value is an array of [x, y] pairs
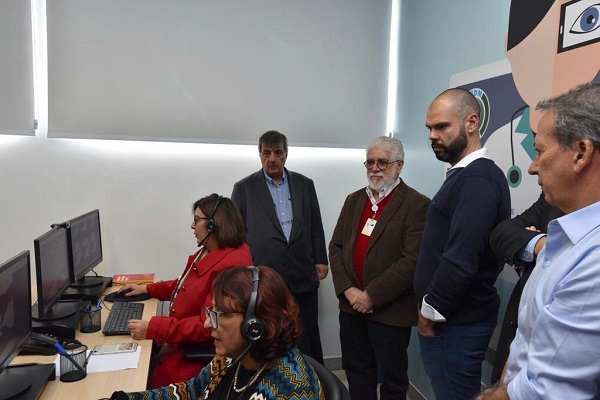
{"points": [[469, 158]]}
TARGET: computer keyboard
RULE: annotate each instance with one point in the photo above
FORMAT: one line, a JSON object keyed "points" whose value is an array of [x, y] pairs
{"points": [[119, 315]]}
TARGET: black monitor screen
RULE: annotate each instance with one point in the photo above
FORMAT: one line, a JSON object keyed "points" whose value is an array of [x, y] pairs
{"points": [[15, 307], [85, 244], [52, 272]]}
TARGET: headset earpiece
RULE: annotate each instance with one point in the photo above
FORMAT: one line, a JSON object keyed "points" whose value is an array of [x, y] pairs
{"points": [[252, 328], [211, 225]]}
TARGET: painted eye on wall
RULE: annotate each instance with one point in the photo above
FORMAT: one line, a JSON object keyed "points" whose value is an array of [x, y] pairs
{"points": [[579, 23], [587, 21]]}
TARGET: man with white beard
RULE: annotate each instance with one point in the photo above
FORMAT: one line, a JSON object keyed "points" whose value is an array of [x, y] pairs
{"points": [[373, 255]]}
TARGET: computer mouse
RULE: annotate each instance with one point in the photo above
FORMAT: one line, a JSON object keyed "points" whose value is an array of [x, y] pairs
{"points": [[120, 296]]}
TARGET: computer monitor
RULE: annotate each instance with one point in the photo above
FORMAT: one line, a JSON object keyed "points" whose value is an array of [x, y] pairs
{"points": [[52, 271], [85, 249], [15, 321]]}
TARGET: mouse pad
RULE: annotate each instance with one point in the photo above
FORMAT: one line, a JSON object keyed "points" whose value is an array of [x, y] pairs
{"points": [[111, 297]]}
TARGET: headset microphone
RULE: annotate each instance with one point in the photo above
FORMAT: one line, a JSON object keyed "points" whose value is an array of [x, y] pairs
{"points": [[211, 225], [252, 327], [227, 368], [201, 243]]}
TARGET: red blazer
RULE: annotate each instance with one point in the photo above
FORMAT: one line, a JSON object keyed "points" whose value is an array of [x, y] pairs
{"points": [[184, 327]]}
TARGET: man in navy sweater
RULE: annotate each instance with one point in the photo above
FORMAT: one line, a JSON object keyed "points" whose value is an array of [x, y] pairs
{"points": [[456, 270]]}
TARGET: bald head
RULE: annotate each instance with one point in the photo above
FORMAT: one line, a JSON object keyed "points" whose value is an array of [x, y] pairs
{"points": [[453, 123], [463, 102]]}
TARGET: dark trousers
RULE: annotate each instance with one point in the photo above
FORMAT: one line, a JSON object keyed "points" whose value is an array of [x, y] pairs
{"points": [[509, 325], [368, 345], [310, 340], [452, 358]]}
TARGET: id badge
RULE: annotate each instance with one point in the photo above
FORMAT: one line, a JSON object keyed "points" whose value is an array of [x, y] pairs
{"points": [[369, 226]]}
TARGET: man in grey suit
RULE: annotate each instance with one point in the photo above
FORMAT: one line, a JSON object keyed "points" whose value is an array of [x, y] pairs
{"points": [[373, 254], [285, 232]]}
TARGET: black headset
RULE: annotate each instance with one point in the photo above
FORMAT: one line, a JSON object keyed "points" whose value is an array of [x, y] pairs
{"points": [[252, 328], [211, 225]]}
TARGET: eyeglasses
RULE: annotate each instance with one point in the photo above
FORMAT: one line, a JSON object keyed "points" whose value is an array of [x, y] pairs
{"points": [[198, 219], [381, 164], [213, 316]]}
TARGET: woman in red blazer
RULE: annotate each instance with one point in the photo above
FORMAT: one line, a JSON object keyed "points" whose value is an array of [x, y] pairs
{"points": [[219, 231]]}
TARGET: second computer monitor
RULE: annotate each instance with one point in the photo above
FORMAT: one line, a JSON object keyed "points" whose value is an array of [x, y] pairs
{"points": [[53, 275], [85, 248]]}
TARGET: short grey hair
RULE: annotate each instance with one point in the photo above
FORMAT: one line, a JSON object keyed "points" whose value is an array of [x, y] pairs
{"points": [[393, 145], [577, 114]]}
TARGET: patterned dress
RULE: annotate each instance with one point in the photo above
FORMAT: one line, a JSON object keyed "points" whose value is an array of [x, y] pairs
{"points": [[291, 377]]}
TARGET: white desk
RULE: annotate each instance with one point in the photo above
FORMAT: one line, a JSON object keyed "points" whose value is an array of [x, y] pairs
{"points": [[101, 384]]}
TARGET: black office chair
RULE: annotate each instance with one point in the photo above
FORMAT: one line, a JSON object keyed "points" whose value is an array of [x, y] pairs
{"points": [[333, 387], [205, 354]]}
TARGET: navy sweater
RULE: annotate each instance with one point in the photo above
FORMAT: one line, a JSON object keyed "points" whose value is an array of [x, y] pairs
{"points": [[457, 268]]}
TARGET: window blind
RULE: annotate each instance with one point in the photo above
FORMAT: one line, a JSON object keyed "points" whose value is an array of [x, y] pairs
{"points": [[218, 71], [16, 68]]}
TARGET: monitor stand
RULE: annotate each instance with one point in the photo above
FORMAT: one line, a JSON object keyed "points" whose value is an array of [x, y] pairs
{"points": [[27, 381], [78, 290], [89, 281]]}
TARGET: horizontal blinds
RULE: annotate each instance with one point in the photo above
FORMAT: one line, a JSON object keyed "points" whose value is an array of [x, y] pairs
{"points": [[218, 71], [16, 68]]}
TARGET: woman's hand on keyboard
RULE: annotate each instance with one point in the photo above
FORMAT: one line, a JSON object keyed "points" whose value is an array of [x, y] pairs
{"points": [[138, 328]]}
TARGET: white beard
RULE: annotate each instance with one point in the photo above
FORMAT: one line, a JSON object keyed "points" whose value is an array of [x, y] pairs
{"points": [[377, 185]]}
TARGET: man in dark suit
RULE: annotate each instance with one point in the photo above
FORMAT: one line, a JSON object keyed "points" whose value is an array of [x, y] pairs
{"points": [[373, 255], [285, 232], [518, 241]]}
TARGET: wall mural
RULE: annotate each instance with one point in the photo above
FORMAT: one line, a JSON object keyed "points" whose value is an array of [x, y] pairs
{"points": [[551, 46]]}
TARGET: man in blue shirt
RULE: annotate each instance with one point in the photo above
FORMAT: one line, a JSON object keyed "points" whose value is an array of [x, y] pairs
{"points": [[284, 231], [555, 352], [519, 241], [456, 270]]}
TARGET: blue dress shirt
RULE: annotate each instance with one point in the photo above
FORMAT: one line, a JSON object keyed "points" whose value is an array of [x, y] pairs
{"points": [[282, 201], [556, 351]]}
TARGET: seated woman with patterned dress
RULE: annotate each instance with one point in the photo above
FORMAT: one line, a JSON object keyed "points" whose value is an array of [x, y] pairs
{"points": [[254, 322]]}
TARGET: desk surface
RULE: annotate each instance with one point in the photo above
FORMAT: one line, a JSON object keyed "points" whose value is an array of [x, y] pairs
{"points": [[101, 384]]}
